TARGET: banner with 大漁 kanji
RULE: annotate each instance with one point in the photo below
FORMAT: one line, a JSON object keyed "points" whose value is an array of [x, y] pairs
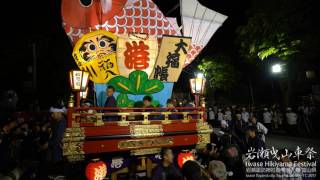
{"points": [[171, 58], [136, 52]]}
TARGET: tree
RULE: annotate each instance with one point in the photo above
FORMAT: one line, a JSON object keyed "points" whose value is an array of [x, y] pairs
{"points": [[270, 31], [280, 29], [219, 72]]}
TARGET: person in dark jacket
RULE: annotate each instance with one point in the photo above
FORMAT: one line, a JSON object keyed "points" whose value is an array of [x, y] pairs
{"points": [[252, 139], [192, 170], [110, 103], [166, 169], [111, 100], [58, 127]]}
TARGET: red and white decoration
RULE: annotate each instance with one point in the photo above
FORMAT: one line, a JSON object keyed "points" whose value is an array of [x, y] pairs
{"points": [[184, 157], [96, 170]]}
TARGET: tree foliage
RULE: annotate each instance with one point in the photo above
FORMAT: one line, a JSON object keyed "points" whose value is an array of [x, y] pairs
{"points": [[219, 72], [273, 30]]}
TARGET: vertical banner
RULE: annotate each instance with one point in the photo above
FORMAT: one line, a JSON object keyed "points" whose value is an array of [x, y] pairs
{"points": [[136, 52], [171, 58]]}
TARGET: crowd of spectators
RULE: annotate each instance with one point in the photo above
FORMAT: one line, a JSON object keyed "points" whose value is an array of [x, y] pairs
{"points": [[30, 143], [30, 146], [297, 120]]}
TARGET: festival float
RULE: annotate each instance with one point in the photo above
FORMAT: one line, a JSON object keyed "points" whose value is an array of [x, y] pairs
{"points": [[132, 46]]}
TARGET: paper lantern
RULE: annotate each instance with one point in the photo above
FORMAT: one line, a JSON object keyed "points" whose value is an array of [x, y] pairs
{"points": [[197, 85], [78, 80], [84, 94], [184, 157], [96, 170]]}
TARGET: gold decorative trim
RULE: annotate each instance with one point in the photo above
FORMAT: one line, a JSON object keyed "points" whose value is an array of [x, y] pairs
{"points": [[123, 123], [140, 152], [201, 116], [204, 128], [73, 143], [141, 131], [144, 143], [185, 117], [166, 118], [204, 132], [166, 122], [72, 148], [99, 122], [145, 118], [203, 140]]}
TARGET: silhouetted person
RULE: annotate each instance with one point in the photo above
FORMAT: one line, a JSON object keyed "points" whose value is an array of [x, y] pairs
{"points": [[166, 169]]}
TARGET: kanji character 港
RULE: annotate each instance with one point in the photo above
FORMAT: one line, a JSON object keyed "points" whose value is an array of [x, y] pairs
{"points": [[136, 56]]}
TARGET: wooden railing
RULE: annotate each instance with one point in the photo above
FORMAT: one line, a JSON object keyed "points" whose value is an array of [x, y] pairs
{"points": [[97, 116]]}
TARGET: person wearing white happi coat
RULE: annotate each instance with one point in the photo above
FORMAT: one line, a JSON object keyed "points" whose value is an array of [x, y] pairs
{"points": [[228, 114], [261, 129], [211, 114], [267, 118], [220, 115], [245, 115], [211, 117]]}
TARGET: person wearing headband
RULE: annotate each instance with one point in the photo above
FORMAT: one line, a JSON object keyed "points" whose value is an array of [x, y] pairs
{"points": [[58, 128]]}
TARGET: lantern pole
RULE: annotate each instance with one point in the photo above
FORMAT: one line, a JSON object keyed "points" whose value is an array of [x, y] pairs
{"points": [[78, 99], [196, 99]]}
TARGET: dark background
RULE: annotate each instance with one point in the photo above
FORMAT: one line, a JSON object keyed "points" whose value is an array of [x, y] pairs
{"points": [[38, 25]]}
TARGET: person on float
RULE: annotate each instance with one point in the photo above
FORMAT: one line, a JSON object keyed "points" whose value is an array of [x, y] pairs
{"points": [[111, 100], [147, 103], [171, 104], [110, 103]]}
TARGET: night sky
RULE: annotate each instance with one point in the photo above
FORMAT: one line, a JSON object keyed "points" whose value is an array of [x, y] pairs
{"points": [[39, 23]]}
